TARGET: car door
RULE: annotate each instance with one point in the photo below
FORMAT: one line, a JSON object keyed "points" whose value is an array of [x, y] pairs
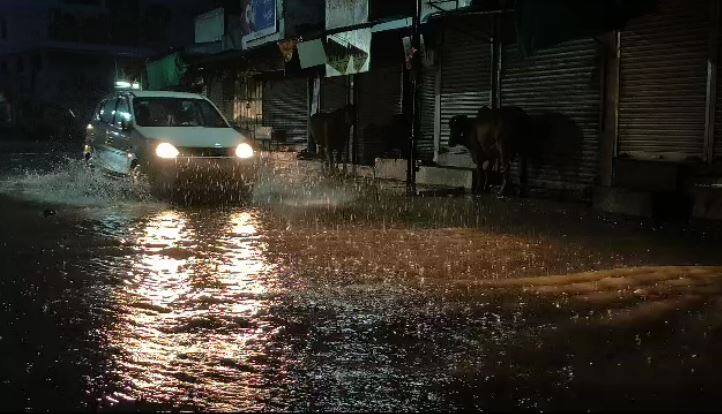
{"points": [[119, 137], [100, 133], [93, 130], [109, 156]]}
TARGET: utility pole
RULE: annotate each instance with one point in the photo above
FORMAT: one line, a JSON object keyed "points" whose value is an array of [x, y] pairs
{"points": [[415, 112]]}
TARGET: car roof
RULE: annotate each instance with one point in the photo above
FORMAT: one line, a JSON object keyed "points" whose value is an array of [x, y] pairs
{"points": [[165, 94]]}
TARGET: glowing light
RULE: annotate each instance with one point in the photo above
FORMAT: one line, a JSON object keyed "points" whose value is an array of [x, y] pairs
{"points": [[122, 84], [244, 151], [166, 151], [89, 127], [135, 85]]}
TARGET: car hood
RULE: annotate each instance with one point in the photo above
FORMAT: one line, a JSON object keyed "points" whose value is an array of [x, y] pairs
{"points": [[194, 137]]}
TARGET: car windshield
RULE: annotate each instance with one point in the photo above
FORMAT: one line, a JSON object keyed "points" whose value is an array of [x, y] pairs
{"points": [[176, 112]]}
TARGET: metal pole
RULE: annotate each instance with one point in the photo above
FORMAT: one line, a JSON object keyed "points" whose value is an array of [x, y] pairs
{"points": [[712, 70], [415, 75]]}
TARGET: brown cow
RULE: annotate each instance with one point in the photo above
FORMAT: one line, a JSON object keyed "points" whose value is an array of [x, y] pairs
{"points": [[493, 136], [330, 131]]}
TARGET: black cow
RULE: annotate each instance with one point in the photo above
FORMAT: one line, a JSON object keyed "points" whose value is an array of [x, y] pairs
{"points": [[494, 135], [330, 131]]}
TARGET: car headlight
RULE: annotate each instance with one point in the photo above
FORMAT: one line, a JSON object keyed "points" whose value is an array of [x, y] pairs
{"points": [[166, 151], [244, 151]]}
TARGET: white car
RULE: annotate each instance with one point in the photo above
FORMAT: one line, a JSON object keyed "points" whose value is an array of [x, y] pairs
{"points": [[175, 139]]}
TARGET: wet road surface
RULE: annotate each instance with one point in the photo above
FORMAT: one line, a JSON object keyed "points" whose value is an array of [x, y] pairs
{"points": [[328, 295]]}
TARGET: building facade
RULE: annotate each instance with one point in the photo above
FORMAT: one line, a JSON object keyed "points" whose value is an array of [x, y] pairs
{"points": [[631, 111]]}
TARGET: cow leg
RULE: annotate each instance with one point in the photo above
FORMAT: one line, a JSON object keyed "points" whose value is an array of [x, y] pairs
{"points": [[328, 162], [504, 168], [485, 171], [336, 156], [344, 158], [524, 175], [476, 181]]}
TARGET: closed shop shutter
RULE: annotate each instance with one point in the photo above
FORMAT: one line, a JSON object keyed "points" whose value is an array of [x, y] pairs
{"points": [[214, 91], [285, 108], [229, 92], [425, 140], [559, 87], [717, 149], [465, 72], [379, 100], [663, 82]]}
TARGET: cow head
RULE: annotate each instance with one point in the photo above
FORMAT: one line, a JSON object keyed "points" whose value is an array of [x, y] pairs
{"points": [[457, 127]]}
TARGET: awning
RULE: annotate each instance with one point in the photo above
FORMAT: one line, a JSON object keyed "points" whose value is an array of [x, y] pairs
{"points": [[541, 24]]}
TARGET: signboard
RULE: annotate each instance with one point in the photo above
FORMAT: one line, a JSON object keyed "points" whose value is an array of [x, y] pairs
{"points": [[258, 18], [348, 53], [311, 53], [209, 27], [341, 13]]}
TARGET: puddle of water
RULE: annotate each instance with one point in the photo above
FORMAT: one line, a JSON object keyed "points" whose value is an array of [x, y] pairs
{"points": [[137, 304], [192, 326]]}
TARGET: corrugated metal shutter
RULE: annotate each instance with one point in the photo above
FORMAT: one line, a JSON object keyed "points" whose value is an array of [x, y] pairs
{"points": [[379, 100], [215, 91], [465, 73], [229, 91], [663, 82], [285, 107], [717, 154], [717, 149], [334, 93], [425, 141], [559, 87]]}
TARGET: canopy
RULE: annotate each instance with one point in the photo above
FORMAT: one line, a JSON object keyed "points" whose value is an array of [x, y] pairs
{"points": [[541, 24]]}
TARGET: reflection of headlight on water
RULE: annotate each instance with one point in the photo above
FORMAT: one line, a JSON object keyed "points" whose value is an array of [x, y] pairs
{"points": [[191, 304], [166, 151], [244, 151]]}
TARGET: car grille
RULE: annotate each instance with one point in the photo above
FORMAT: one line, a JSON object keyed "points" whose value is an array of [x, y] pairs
{"points": [[206, 152]]}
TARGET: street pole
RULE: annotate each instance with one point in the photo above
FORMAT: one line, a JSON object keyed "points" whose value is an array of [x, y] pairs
{"points": [[415, 75]]}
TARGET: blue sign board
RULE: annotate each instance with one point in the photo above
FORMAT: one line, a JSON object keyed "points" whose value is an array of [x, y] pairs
{"points": [[261, 18]]}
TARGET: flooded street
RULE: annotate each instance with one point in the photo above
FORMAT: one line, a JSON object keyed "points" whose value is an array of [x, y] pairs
{"points": [[323, 294]]}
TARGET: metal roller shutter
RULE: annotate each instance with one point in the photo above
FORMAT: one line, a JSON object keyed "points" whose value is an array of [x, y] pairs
{"points": [[379, 99], [717, 149], [559, 87], [465, 73], [285, 107], [663, 82], [425, 142], [215, 91]]}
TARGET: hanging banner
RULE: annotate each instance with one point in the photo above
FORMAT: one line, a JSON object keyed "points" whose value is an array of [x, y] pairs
{"points": [[258, 18], [311, 53], [348, 53]]}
